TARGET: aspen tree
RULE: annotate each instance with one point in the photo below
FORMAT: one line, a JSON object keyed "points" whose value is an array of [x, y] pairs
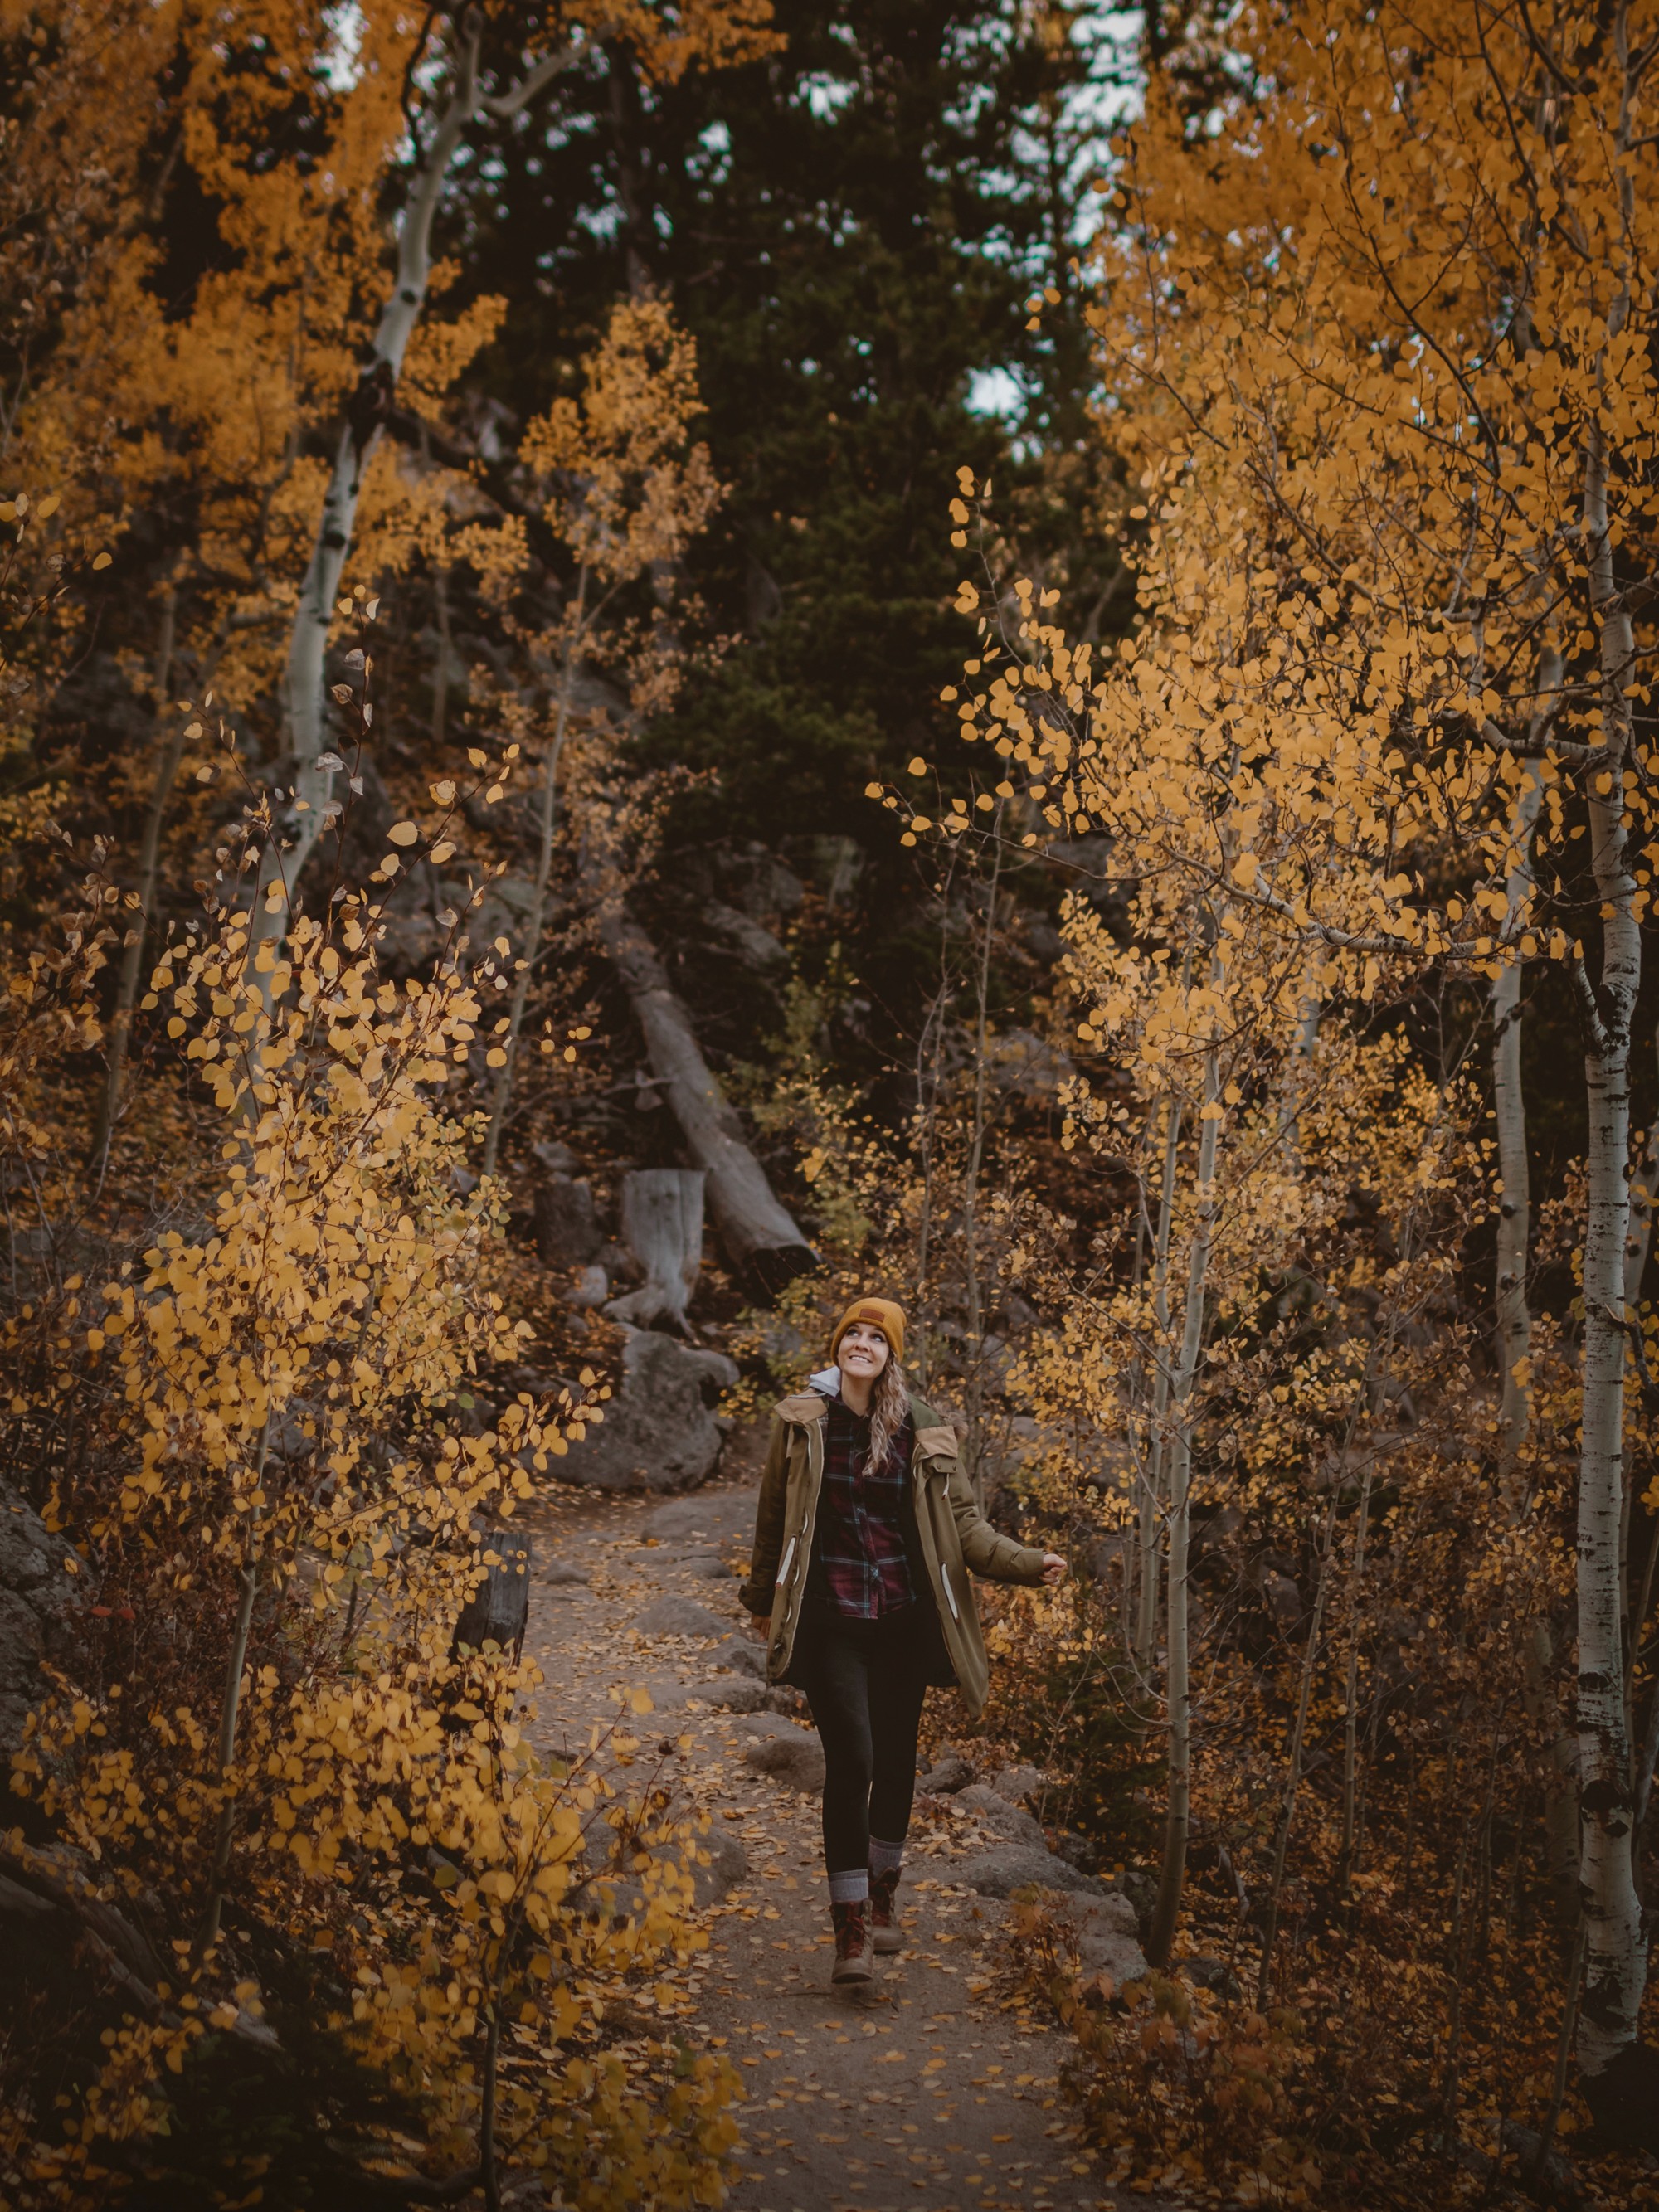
{"points": [[1431, 469]]}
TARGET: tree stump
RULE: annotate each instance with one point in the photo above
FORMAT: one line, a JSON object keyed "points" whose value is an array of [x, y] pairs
{"points": [[498, 1611], [662, 1227]]}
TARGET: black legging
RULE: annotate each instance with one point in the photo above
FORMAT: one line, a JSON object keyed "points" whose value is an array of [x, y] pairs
{"points": [[865, 1682]]}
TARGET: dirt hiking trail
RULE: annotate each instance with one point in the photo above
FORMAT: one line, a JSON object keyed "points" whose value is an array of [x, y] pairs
{"points": [[925, 2092]]}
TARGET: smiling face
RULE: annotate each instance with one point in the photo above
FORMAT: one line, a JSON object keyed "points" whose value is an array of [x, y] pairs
{"points": [[862, 1353]]}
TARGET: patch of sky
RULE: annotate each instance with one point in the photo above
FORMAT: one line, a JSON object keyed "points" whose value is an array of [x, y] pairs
{"points": [[996, 391], [342, 46], [825, 95], [711, 162]]}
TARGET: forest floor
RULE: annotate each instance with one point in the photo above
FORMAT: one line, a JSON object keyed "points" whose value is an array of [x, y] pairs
{"points": [[934, 2090]]}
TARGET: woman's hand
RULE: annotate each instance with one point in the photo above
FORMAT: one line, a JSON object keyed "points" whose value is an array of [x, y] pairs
{"points": [[760, 1626], [1054, 1568]]}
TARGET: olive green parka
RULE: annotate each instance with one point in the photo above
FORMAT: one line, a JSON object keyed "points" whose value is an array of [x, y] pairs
{"points": [[956, 1539]]}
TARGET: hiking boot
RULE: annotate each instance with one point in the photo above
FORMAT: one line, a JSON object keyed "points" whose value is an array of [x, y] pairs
{"points": [[884, 1928], [855, 1955]]}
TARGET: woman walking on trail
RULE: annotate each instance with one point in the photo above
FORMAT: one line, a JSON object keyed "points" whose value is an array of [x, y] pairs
{"points": [[865, 1533]]}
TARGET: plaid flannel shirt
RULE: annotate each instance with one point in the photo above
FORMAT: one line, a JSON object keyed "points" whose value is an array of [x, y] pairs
{"points": [[859, 1565]]}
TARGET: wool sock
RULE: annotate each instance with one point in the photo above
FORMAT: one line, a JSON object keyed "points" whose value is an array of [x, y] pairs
{"points": [[852, 1887], [885, 1858]]}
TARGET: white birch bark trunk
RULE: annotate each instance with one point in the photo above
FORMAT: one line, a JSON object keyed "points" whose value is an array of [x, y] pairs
{"points": [[296, 827], [1615, 1966], [1166, 1911]]}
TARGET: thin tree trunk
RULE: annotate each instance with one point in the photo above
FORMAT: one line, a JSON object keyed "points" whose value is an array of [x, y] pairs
{"points": [[1298, 1738], [1346, 1847], [975, 1393], [296, 828], [230, 1706], [536, 921], [440, 659], [1166, 1911], [492, 2185], [1151, 1495], [1515, 1207], [169, 754]]}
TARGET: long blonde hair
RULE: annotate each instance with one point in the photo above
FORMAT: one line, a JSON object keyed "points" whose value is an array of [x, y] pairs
{"points": [[889, 1408]]}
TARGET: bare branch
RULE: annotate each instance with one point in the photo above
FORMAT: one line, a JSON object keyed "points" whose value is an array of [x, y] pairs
{"points": [[552, 65]]}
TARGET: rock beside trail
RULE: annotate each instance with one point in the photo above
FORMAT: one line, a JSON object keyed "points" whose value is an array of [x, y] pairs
{"points": [[558, 1573], [715, 1517], [951, 1771], [1011, 1821], [1008, 1867], [1015, 1783], [789, 1754], [659, 1431], [1105, 1925], [678, 1616], [716, 1862], [740, 1695], [728, 1865], [742, 1655]]}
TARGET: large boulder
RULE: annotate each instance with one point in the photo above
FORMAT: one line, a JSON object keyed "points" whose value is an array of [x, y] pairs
{"points": [[660, 1431], [951, 1771], [789, 1754], [1009, 1866], [1009, 1821], [711, 1516], [1104, 1926], [678, 1616]]}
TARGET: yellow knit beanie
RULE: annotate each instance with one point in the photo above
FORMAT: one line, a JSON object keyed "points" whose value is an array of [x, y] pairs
{"points": [[878, 1313]]}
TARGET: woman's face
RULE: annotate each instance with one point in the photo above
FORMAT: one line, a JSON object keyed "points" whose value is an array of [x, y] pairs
{"points": [[862, 1351]]}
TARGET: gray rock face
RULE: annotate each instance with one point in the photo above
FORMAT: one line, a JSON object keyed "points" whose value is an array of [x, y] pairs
{"points": [[1105, 1928], [35, 1597], [559, 1572], [1014, 1782], [951, 1771], [705, 1566], [678, 1616], [710, 1518], [738, 1695], [1008, 1867], [728, 1865], [743, 1656], [1119, 1957], [753, 943], [658, 1432], [716, 1862], [788, 1754], [1140, 1888], [1002, 1817]]}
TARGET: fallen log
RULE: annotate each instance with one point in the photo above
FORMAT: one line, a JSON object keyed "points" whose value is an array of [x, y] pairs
{"points": [[762, 1244]]}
